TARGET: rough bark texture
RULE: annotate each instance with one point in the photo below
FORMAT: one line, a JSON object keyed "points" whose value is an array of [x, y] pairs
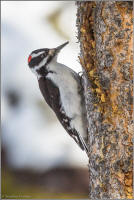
{"points": [[105, 36]]}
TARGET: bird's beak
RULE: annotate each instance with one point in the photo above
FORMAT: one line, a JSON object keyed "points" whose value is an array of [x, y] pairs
{"points": [[61, 46], [57, 49]]}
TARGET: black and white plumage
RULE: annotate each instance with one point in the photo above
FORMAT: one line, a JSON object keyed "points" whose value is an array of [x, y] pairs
{"points": [[61, 87]]}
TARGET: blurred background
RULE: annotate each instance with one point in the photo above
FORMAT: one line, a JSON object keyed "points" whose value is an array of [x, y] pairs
{"points": [[39, 159]]}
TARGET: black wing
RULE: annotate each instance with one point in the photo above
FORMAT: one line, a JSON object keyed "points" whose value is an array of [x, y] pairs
{"points": [[51, 94]]}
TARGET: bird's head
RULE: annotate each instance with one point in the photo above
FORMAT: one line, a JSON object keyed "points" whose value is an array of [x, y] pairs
{"points": [[41, 57]]}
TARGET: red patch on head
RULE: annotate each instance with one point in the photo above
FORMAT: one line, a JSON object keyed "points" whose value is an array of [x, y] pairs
{"points": [[29, 59]]}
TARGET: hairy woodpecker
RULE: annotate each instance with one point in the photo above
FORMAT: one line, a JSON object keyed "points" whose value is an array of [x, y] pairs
{"points": [[61, 87]]}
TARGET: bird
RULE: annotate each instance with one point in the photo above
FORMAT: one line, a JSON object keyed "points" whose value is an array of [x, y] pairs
{"points": [[62, 89]]}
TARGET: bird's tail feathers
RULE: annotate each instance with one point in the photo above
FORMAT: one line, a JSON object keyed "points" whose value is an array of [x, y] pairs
{"points": [[83, 144]]}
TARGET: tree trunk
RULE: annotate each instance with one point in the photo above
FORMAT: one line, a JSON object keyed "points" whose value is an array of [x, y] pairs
{"points": [[105, 36]]}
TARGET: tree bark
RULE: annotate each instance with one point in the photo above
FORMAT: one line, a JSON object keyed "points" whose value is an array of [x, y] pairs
{"points": [[105, 33]]}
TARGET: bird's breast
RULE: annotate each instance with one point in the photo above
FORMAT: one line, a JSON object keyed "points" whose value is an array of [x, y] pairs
{"points": [[68, 88]]}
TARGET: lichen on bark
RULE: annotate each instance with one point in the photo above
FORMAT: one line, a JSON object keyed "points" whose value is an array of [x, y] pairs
{"points": [[105, 32]]}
